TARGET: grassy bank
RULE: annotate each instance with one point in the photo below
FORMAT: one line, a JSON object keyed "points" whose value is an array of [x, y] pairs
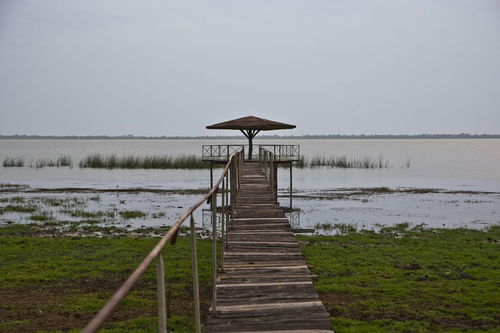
{"points": [[396, 281], [403, 280], [57, 284]]}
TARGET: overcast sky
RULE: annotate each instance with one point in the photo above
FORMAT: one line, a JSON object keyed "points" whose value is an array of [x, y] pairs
{"points": [[118, 67]]}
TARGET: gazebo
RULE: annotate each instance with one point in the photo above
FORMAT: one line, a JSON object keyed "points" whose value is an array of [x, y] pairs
{"points": [[251, 126]]}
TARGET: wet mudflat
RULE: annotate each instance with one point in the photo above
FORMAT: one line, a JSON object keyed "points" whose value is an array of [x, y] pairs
{"points": [[331, 211], [88, 211]]}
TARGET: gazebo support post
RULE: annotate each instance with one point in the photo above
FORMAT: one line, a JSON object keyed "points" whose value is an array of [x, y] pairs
{"points": [[250, 134]]}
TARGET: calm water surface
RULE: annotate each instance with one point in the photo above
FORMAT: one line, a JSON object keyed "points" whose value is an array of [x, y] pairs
{"points": [[449, 164]]}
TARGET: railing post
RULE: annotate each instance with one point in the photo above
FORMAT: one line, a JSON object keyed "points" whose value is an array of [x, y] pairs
{"points": [[260, 157], [265, 163], [194, 269], [162, 305], [240, 167], [214, 251], [291, 188], [231, 180], [223, 224], [275, 180], [226, 191], [271, 171], [236, 162]]}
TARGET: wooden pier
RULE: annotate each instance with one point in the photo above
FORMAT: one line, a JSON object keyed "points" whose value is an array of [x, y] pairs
{"points": [[265, 285], [261, 282]]}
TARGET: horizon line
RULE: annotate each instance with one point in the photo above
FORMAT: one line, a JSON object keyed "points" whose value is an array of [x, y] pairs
{"points": [[304, 136]]}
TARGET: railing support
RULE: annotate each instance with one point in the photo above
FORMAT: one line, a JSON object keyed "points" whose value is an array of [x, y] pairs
{"points": [[223, 223], [214, 251], [162, 305], [226, 191], [194, 268], [291, 188]]}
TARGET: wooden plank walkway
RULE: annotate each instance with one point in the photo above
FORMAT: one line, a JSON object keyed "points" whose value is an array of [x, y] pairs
{"points": [[266, 285]]}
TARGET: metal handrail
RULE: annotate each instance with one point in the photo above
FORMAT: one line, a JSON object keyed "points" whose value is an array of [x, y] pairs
{"points": [[230, 179]]}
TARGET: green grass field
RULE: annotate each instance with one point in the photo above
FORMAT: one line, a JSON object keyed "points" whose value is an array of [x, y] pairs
{"points": [[395, 281], [409, 280]]}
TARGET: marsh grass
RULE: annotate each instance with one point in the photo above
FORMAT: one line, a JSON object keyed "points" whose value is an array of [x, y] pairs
{"points": [[42, 216], [10, 162], [142, 162], [345, 161], [18, 209], [80, 213], [132, 214], [335, 228], [61, 161], [191, 161]]}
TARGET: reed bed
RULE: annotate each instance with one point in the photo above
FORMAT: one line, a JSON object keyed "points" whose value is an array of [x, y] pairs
{"points": [[189, 161], [10, 162], [344, 161], [143, 162], [61, 161]]}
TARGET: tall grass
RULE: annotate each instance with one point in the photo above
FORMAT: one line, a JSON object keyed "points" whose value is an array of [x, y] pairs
{"points": [[143, 162], [345, 161], [13, 162], [191, 161], [61, 161]]}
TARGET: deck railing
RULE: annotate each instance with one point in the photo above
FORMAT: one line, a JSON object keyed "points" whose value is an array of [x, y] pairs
{"points": [[222, 152], [227, 185], [268, 164]]}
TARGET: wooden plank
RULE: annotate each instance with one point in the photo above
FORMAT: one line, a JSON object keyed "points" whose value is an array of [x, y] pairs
{"points": [[259, 218], [239, 285], [269, 306], [230, 254], [269, 276], [282, 268], [292, 331], [264, 243]]}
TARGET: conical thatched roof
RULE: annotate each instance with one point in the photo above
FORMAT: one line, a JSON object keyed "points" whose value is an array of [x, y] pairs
{"points": [[251, 123]]}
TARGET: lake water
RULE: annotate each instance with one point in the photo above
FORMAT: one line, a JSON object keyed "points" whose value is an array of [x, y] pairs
{"points": [[454, 164], [450, 165]]}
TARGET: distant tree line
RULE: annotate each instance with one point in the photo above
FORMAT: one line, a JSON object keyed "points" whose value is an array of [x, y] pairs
{"points": [[308, 136]]}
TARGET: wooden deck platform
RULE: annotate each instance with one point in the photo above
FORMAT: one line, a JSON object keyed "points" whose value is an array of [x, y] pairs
{"points": [[266, 285]]}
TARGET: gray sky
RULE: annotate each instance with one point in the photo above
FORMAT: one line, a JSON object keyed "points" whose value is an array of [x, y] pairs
{"points": [[172, 67]]}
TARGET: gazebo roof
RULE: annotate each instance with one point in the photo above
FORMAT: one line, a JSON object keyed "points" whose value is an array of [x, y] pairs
{"points": [[251, 123]]}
